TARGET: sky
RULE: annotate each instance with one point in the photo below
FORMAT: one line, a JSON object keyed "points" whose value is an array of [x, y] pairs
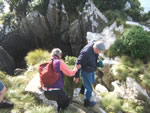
{"points": [[145, 4], [6, 8]]}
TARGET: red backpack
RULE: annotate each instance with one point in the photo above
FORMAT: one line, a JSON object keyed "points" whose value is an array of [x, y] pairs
{"points": [[48, 74]]}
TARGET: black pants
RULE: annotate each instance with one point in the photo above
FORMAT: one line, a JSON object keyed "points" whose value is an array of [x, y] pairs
{"points": [[59, 96], [82, 89]]}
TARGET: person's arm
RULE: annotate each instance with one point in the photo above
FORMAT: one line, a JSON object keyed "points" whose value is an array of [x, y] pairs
{"points": [[82, 58], [66, 70]]}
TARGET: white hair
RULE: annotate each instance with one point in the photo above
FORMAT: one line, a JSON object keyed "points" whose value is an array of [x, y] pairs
{"points": [[56, 52]]}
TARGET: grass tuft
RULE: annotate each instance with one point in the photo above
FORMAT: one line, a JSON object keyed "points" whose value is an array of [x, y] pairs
{"points": [[37, 56]]}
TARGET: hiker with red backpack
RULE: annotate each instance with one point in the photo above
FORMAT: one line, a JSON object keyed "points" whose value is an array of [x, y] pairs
{"points": [[53, 83]]}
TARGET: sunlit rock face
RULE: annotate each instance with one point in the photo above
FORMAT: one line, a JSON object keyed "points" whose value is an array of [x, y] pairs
{"points": [[107, 35], [130, 89], [90, 20]]}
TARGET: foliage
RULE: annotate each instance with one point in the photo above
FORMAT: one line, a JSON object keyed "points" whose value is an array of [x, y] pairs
{"points": [[111, 102], [9, 21], [40, 5], [22, 7], [129, 67], [134, 42], [146, 16], [4, 79], [104, 5], [23, 101], [132, 106], [68, 81], [117, 49], [114, 104], [146, 80], [72, 7], [115, 15], [137, 42], [37, 56], [70, 60], [135, 10], [19, 7]]}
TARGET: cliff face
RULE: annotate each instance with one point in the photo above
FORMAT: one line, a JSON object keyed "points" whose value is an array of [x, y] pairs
{"points": [[53, 30]]}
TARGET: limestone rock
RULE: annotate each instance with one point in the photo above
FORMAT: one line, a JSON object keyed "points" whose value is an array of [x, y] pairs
{"points": [[7, 63], [38, 26], [100, 88], [34, 87], [75, 37], [130, 90]]}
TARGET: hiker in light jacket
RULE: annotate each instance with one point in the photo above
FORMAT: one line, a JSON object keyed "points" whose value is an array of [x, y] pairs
{"points": [[88, 60], [56, 91]]}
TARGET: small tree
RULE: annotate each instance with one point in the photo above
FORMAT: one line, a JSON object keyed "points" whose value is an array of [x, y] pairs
{"points": [[137, 42], [134, 42]]}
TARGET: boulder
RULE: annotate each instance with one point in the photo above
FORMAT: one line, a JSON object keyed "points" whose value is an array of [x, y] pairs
{"points": [[37, 24], [17, 44], [100, 88], [92, 19], [130, 90], [76, 37], [34, 87], [7, 63]]}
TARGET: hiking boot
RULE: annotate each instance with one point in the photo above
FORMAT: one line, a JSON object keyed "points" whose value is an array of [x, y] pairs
{"points": [[88, 103], [5, 104]]}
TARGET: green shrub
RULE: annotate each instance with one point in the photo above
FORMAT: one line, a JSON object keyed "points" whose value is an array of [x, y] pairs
{"points": [[117, 49], [137, 42], [146, 80], [134, 42], [115, 15], [69, 85], [109, 4], [132, 106], [5, 79], [111, 102], [40, 5], [114, 104], [70, 60], [129, 67], [72, 7], [37, 56]]}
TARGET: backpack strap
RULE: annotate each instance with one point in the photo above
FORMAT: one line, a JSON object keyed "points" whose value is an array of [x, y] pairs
{"points": [[52, 67]]}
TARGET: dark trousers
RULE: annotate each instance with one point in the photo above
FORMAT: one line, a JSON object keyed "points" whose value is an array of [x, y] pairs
{"points": [[59, 96], [82, 89]]}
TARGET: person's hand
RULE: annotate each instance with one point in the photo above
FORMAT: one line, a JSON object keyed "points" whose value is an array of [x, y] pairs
{"points": [[78, 66], [100, 64], [76, 80]]}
